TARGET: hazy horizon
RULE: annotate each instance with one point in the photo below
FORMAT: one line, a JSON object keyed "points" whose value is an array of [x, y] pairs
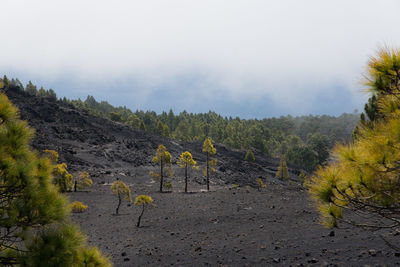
{"points": [[251, 59]]}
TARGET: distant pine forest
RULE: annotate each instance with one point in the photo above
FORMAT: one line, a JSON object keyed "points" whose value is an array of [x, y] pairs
{"points": [[305, 141]]}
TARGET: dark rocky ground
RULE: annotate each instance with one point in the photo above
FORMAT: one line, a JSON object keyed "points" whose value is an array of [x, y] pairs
{"points": [[224, 227]]}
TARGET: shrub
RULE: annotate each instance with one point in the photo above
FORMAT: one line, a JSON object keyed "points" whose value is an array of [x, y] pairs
{"points": [[78, 207]]}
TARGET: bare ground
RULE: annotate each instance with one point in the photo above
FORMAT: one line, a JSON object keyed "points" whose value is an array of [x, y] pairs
{"points": [[224, 227]]}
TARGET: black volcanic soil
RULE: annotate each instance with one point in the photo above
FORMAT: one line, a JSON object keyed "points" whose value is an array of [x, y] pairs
{"points": [[224, 227]]}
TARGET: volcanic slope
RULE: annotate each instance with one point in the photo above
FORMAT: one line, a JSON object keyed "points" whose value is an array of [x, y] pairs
{"points": [[101, 146], [229, 226]]}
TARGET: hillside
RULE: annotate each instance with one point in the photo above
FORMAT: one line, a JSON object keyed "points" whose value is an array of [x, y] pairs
{"points": [[101, 146], [228, 226]]}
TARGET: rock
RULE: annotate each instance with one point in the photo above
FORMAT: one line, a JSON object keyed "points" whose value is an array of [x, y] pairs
{"points": [[308, 254], [313, 260], [332, 233], [123, 254], [276, 260], [126, 259], [372, 252]]}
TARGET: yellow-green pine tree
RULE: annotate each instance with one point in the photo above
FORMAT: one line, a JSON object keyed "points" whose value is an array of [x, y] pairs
{"points": [[186, 160], [62, 178], [82, 181], [209, 150], [283, 172], [143, 201], [249, 156], [260, 184], [120, 189], [165, 159], [364, 178]]}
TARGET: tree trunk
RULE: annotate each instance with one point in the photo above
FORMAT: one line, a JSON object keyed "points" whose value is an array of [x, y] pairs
{"points": [[140, 217], [75, 185], [119, 203], [161, 176], [208, 179], [186, 179]]}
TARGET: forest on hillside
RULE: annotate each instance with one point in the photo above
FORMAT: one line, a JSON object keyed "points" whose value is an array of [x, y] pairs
{"points": [[305, 141]]}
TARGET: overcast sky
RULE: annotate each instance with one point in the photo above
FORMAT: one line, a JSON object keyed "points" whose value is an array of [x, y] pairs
{"points": [[243, 58]]}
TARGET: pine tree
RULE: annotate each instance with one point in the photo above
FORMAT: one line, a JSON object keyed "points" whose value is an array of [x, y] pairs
{"points": [[260, 183], [166, 131], [165, 159], [282, 172], [249, 156], [185, 161], [35, 219], [62, 178], [31, 88], [209, 150], [143, 201], [160, 128], [122, 191], [82, 181], [364, 179]]}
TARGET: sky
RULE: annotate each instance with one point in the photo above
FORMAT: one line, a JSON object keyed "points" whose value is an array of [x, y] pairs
{"points": [[246, 58]]}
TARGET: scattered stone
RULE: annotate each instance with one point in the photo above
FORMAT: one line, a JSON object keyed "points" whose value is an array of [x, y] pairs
{"points": [[126, 259], [123, 254], [372, 252], [276, 260], [313, 260], [332, 233]]}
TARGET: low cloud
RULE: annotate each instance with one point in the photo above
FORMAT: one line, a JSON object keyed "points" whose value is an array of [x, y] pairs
{"points": [[286, 52]]}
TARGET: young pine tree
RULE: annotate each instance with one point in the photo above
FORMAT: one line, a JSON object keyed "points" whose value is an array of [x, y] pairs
{"points": [[122, 191], [260, 184], [82, 181], [34, 223], [282, 172], [62, 178], [250, 156], [143, 201], [165, 159], [209, 150], [186, 161]]}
